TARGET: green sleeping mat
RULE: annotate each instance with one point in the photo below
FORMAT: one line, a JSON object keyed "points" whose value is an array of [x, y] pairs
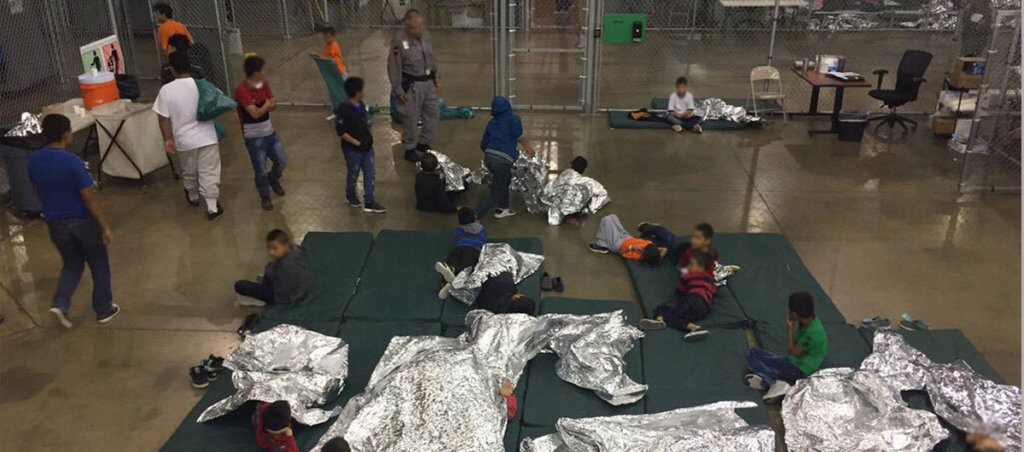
{"points": [[621, 120], [657, 285], [945, 346], [454, 311], [684, 374], [771, 270], [231, 432], [579, 306], [846, 346], [335, 261], [398, 280], [661, 103]]}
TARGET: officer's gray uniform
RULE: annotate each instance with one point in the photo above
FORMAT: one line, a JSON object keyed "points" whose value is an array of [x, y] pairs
{"points": [[411, 69]]}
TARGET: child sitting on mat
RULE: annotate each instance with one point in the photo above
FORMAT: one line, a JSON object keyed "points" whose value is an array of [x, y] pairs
{"points": [[680, 109], [285, 279], [612, 237], [337, 444], [499, 295], [470, 238], [273, 424], [679, 250], [806, 343], [692, 300], [431, 193]]}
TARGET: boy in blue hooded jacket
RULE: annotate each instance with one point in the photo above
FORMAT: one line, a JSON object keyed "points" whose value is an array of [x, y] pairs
{"points": [[500, 143]]}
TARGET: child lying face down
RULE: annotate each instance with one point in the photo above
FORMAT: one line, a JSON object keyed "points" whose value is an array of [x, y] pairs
{"points": [[679, 250], [498, 294], [692, 300], [613, 238], [470, 238], [806, 343], [273, 424]]}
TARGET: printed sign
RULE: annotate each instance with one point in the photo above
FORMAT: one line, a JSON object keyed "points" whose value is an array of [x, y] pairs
{"points": [[103, 55]]}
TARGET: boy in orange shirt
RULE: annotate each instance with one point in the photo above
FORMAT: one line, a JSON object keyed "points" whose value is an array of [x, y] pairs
{"points": [[612, 237], [168, 27], [333, 51]]}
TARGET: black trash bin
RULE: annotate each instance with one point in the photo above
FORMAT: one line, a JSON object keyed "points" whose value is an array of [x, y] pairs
{"points": [[15, 152], [852, 125]]}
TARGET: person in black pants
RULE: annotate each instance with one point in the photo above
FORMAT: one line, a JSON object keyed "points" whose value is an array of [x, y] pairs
{"points": [[470, 238], [499, 295], [285, 279], [431, 193]]}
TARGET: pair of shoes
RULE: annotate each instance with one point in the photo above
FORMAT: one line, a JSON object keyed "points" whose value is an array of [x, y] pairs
{"points": [[696, 335], [62, 317], [115, 310], [374, 207], [755, 382], [777, 392], [652, 324], [213, 215], [413, 155], [504, 213], [911, 324], [198, 377], [446, 271], [595, 248], [266, 204], [353, 201], [213, 365], [190, 201], [278, 189], [677, 128], [445, 291], [547, 283], [250, 322], [249, 302], [877, 323]]}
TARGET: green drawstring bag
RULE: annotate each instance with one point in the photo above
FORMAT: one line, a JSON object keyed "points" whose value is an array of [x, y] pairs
{"points": [[212, 103]]}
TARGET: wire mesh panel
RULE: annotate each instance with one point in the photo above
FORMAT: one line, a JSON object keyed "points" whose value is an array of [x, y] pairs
{"points": [[205, 20], [546, 59]]}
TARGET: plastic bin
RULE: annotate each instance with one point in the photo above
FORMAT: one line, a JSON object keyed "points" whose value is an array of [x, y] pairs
{"points": [[139, 139], [98, 88], [852, 125], [15, 153]]}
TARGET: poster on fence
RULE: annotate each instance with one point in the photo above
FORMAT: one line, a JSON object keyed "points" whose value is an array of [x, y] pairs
{"points": [[103, 55]]}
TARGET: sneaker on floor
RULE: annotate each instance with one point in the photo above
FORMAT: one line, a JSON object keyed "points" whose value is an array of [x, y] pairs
{"points": [[697, 129], [107, 318], [651, 324], [547, 283], [198, 377], [595, 248], [755, 382], [374, 207], [62, 318], [353, 201], [677, 128], [266, 204], [696, 335], [445, 291], [213, 363], [877, 323], [775, 393], [278, 189], [250, 322], [504, 213], [909, 323], [557, 284], [190, 201], [213, 215], [446, 271], [249, 302]]}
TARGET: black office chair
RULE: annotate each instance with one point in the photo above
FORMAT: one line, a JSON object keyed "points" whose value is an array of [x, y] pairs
{"points": [[909, 77]]}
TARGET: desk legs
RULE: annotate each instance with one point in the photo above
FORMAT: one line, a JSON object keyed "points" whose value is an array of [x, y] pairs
{"points": [[814, 100], [837, 106]]}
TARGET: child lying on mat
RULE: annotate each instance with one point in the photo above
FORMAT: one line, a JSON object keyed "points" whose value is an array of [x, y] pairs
{"points": [[431, 193], [470, 238], [499, 295], [679, 250], [273, 424], [806, 342], [692, 300], [285, 279], [612, 237]]}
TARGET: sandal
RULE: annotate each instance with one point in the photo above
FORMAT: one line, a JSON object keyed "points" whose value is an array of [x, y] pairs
{"points": [[877, 322]]}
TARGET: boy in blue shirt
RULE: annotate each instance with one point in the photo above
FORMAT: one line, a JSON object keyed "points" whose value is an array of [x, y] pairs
{"points": [[500, 143], [353, 127], [77, 226], [470, 238]]}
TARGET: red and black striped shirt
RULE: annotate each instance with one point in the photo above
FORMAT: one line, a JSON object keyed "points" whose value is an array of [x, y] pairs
{"points": [[701, 283]]}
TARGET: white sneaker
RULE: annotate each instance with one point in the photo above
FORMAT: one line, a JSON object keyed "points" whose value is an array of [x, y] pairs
{"points": [[677, 128], [502, 213], [445, 291], [696, 335], [446, 272], [61, 317], [775, 393], [755, 382], [697, 129], [249, 302]]}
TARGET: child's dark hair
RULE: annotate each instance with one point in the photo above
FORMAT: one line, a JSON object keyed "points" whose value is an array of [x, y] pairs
{"points": [[428, 162], [703, 259], [252, 65], [337, 444], [277, 416], [180, 42], [279, 236], [682, 81], [802, 303], [328, 30], [466, 215], [650, 255], [55, 126], [579, 164], [179, 62], [164, 9], [353, 85], [706, 230]]}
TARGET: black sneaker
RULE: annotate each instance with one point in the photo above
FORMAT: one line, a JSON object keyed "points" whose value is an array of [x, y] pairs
{"points": [[113, 313], [213, 366], [213, 215], [598, 249], [642, 227], [374, 207], [190, 201], [413, 155], [278, 189], [266, 204], [423, 147], [250, 322], [353, 201], [198, 377]]}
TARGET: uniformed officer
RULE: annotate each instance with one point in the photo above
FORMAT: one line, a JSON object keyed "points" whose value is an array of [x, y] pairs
{"points": [[412, 69]]}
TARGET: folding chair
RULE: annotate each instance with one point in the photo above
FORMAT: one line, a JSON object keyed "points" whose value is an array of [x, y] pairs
{"points": [[765, 75]]}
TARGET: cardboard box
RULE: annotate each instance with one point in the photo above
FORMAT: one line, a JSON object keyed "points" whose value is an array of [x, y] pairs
{"points": [[942, 125], [967, 72]]}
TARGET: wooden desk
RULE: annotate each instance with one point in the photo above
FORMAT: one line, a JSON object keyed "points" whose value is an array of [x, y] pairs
{"points": [[817, 81]]}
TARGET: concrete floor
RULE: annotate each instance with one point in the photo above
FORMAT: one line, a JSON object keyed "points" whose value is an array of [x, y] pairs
{"points": [[878, 223]]}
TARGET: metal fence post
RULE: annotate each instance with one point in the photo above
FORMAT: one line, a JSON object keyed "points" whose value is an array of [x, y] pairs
{"points": [[775, 25]]}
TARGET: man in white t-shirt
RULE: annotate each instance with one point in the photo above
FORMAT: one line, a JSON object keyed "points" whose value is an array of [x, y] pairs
{"points": [[195, 142], [680, 109]]}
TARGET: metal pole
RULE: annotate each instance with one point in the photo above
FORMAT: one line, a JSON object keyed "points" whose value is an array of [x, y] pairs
{"points": [[775, 21], [284, 19], [220, 40]]}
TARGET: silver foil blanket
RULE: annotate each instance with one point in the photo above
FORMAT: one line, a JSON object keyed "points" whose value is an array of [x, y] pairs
{"points": [[455, 176], [841, 409], [30, 125], [304, 368], [840, 21], [495, 258], [431, 393], [571, 193], [960, 395], [723, 272], [718, 109], [529, 177], [712, 427]]}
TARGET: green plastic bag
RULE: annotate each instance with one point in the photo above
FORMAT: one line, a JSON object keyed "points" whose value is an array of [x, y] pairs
{"points": [[212, 101]]}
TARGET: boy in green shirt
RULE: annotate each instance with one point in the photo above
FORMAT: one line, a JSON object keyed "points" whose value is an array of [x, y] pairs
{"points": [[806, 342]]}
